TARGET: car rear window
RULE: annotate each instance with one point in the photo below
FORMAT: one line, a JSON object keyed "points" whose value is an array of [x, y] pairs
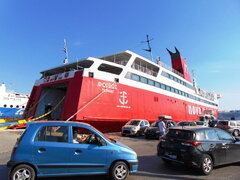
{"points": [[181, 134]]}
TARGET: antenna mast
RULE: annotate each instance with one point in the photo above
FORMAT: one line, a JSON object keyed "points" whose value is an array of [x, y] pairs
{"points": [[149, 47], [65, 61]]}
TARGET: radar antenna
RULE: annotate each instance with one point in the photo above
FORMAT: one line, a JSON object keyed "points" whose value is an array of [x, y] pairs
{"points": [[149, 47]]}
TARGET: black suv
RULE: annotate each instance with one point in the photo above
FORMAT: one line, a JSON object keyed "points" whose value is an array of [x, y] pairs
{"points": [[200, 147]]}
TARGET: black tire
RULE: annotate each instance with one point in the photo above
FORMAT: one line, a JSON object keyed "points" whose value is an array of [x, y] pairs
{"points": [[235, 133], [146, 136], [24, 170], [137, 134], [206, 165], [166, 161], [119, 171]]}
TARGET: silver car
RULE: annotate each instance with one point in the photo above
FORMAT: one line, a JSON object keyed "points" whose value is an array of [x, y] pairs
{"points": [[231, 126], [135, 127]]}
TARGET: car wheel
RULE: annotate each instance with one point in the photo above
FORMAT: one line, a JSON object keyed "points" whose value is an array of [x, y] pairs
{"points": [[119, 171], [22, 171], [235, 133], [206, 165], [137, 134]]}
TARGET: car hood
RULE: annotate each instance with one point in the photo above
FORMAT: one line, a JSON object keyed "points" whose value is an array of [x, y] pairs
{"points": [[129, 126], [124, 146]]}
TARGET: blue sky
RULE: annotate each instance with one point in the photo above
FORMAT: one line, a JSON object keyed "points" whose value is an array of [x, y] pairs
{"points": [[206, 32]]}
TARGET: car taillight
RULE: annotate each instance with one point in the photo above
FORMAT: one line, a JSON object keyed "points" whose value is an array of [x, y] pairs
{"points": [[15, 146], [228, 127], [193, 143], [163, 138]]}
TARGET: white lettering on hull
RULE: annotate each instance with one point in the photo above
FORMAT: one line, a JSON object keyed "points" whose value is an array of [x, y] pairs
{"points": [[107, 86], [193, 110]]}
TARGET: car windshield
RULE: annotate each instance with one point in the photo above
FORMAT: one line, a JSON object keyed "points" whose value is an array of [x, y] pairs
{"points": [[154, 124], [181, 134], [225, 123], [134, 123], [108, 138], [185, 123]]}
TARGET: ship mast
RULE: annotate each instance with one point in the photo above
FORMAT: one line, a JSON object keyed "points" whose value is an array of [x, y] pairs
{"points": [[149, 47], [65, 61]]}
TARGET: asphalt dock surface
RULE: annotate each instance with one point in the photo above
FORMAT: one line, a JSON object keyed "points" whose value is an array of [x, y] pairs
{"points": [[151, 167]]}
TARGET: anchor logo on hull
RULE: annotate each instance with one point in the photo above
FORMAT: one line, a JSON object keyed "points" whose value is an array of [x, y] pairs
{"points": [[123, 98]]}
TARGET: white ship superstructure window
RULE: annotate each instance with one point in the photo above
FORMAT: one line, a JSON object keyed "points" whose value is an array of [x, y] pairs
{"points": [[110, 69], [121, 58], [146, 67], [151, 82], [169, 76]]}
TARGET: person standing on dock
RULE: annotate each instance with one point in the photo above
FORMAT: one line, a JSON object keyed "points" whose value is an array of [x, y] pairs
{"points": [[162, 127]]}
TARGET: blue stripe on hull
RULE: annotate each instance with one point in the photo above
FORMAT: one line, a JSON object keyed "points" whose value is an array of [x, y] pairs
{"points": [[10, 112]]}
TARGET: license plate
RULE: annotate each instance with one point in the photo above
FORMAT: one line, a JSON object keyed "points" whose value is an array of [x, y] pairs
{"points": [[172, 156]]}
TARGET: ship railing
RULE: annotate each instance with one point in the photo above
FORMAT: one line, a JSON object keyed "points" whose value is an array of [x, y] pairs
{"points": [[151, 72], [206, 94], [121, 62], [144, 69]]}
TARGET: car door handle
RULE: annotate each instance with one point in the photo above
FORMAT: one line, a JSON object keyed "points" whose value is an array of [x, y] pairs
{"points": [[42, 149], [78, 151]]}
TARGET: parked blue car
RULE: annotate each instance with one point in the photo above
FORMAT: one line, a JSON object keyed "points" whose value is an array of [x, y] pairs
{"points": [[60, 148]]}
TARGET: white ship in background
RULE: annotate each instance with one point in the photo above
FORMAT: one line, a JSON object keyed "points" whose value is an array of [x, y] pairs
{"points": [[12, 104], [229, 115]]}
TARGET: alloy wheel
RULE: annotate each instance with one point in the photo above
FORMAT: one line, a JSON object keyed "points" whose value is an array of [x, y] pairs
{"points": [[121, 171], [207, 165], [22, 174]]}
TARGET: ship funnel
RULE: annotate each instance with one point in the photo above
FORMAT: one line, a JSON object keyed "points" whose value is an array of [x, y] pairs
{"points": [[179, 64]]}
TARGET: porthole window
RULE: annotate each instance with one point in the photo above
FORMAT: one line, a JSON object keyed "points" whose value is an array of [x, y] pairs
{"points": [[23, 106], [17, 106], [4, 105], [11, 106]]}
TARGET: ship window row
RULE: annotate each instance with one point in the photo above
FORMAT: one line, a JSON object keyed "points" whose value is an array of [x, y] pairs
{"points": [[11, 106], [151, 82], [169, 76]]}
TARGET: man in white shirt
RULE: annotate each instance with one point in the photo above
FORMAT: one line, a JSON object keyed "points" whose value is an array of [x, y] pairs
{"points": [[162, 127]]}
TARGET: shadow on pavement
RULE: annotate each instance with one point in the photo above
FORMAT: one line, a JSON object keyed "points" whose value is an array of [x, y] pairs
{"points": [[153, 166], [3, 172]]}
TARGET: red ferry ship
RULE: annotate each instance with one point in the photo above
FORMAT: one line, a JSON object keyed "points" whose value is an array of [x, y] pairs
{"points": [[109, 91]]}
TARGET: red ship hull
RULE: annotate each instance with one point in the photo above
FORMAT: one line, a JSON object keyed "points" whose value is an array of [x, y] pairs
{"points": [[109, 105]]}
